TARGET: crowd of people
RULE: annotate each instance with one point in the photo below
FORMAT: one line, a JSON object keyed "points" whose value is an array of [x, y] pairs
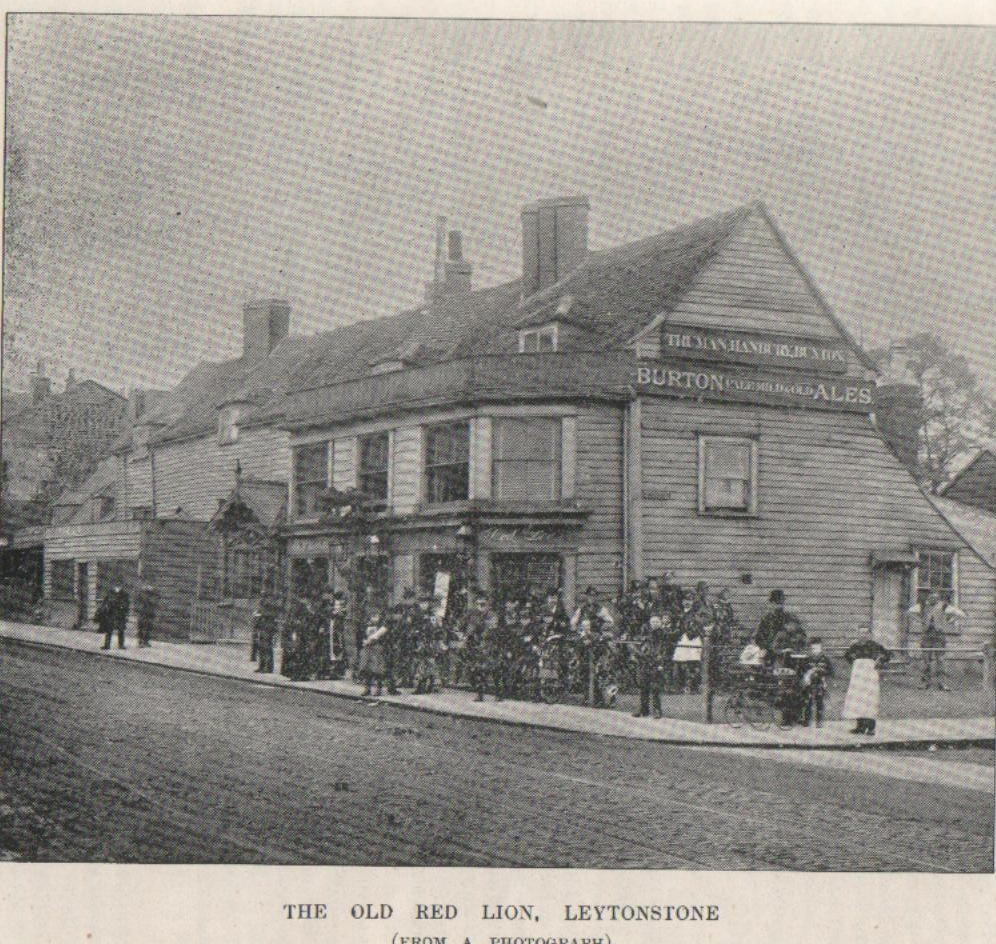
{"points": [[503, 645], [525, 644]]}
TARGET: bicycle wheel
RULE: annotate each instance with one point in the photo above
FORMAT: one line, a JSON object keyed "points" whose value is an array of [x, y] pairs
{"points": [[760, 714], [734, 712]]}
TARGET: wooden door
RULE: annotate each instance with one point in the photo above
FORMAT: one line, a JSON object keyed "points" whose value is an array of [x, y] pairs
{"points": [[82, 592], [887, 606]]}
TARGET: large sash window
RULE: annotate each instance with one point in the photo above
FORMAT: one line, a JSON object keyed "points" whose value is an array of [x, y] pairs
{"points": [[526, 459], [727, 474]]}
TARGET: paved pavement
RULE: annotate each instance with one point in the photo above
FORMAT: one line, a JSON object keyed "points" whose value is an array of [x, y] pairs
{"points": [[107, 760], [231, 662]]}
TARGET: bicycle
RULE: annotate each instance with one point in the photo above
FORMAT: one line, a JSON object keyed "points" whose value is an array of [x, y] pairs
{"points": [[756, 699]]}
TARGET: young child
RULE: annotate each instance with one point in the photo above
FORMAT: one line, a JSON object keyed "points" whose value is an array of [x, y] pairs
{"points": [[429, 648], [817, 670], [373, 664]]}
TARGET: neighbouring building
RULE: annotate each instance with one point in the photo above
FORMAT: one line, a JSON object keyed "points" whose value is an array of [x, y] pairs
{"points": [[147, 510], [48, 442], [975, 485], [685, 403], [52, 441]]}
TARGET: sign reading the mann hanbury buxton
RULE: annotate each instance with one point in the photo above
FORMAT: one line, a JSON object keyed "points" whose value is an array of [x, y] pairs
{"points": [[762, 350]]}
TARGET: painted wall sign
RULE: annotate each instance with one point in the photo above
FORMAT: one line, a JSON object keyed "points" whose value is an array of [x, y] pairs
{"points": [[745, 348], [844, 393]]}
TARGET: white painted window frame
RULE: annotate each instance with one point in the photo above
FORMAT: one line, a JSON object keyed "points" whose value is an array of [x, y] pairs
{"points": [[551, 330], [704, 439]]}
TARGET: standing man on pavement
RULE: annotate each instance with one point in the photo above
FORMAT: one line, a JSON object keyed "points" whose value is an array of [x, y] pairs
{"points": [[112, 615], [937, 619], [265, 621], [146, 601], [650, 635], [773, 621]]}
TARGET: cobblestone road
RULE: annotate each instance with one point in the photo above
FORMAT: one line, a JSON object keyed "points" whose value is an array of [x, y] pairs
{"points": [[106, 761]]}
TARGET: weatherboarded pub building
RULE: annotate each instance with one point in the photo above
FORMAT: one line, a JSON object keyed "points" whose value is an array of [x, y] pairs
{"points": [[686, 403]]}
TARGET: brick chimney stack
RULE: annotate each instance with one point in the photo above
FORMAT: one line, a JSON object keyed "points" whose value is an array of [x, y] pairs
{"points": [[41, 386], [451, 273], [266, 322], [899, 407], [554, 241]]}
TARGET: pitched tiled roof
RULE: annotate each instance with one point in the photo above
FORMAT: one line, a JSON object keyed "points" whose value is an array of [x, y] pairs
{"points": [[615, 294], [191, 408], [266, 501], [11, 403]]}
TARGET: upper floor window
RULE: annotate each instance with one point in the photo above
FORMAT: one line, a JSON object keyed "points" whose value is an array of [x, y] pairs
{"points": [[935, 573], [526, 459], [372, 475], [311, 477], [538, 340], [727, 474], [447, 462], [228, 424]]}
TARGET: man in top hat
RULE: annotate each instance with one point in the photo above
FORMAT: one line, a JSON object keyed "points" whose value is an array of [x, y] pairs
{"points": [[477, 626], [773, 621], [406, 634]]}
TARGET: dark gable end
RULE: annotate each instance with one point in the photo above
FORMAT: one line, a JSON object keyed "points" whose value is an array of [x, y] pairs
{"points": [[975, 484]]}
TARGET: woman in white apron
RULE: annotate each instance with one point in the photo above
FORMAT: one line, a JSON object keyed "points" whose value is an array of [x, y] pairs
{"points": [[861, 702]]}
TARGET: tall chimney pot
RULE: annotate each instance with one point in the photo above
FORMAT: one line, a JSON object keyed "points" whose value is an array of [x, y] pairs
{"points": [[41, 385], [265, 324], [554, 241]]}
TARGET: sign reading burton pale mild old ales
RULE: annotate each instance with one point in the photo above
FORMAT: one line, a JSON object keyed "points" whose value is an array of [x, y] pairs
{"points": [[809, 375]]}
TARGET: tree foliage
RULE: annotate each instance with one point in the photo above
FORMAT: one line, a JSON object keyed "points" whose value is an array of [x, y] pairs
{"points": [[959, 416]]}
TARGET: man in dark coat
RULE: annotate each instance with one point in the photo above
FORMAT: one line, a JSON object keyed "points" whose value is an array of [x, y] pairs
{"points": [[112, 615], [474, 643], [650, 637], [265, 623], [773, 621], [146, 601]]}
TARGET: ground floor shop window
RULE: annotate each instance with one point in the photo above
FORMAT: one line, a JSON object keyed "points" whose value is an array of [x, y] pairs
{"points": [[513, 575], [374, 579], [62, 579], [455, 567]]}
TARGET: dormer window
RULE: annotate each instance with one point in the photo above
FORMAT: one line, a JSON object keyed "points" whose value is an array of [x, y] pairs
{"points": [[539, 340], [387, 367], [228, 424]]}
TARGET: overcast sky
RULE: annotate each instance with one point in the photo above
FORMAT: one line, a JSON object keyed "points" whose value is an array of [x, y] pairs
{"points": [[167, 170]]}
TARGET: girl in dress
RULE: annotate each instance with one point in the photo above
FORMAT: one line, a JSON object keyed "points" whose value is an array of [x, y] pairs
{"points": [[372, 662], [861, 702]]}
